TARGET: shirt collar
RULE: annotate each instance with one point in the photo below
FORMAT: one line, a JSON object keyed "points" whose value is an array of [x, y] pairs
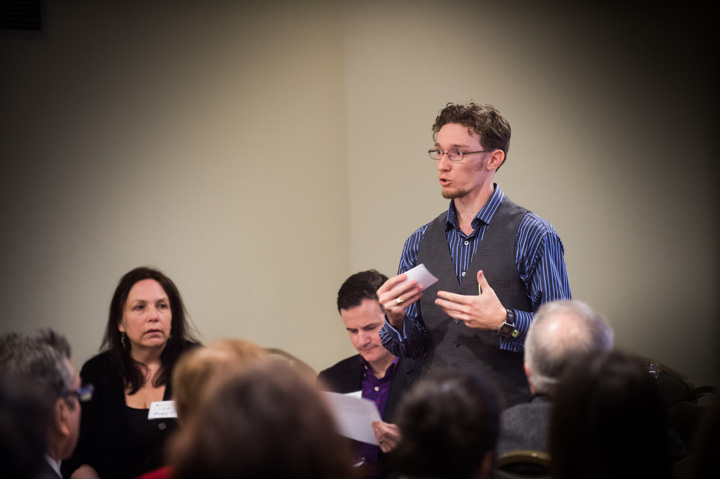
{"points": [[388, 372], [54, 464], [485, 214]]}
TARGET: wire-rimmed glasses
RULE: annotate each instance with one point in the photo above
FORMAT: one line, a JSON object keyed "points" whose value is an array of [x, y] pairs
{"points": [[453, 155]]}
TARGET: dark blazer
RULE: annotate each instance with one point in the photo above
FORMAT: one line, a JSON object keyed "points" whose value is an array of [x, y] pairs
{"points": [[46, 471], [346, 377], [106, 439], [525, 426]]}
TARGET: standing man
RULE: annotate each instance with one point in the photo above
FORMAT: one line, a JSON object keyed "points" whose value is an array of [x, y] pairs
{"points": [[382, 377], [496, 262], [41, 361]]}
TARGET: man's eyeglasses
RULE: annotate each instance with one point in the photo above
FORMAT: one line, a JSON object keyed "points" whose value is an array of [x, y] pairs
{"points": [[453, 155], [84, 394]]}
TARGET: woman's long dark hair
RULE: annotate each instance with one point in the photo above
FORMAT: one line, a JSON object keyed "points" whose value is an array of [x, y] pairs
{"points": [[180, 335]]}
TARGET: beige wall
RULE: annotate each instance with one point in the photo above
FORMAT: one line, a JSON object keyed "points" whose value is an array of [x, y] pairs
{"points": [[260, 154]]}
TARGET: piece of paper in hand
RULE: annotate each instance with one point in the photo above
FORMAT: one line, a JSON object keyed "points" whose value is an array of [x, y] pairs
{"points": [[420, 274], [354, 416]]}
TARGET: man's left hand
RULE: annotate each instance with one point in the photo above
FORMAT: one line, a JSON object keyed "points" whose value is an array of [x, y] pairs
{"points": [[484, 311], [388, 435]]}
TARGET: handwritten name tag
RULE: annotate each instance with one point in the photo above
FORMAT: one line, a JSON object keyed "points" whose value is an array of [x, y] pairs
{"points": [[162, 410]]}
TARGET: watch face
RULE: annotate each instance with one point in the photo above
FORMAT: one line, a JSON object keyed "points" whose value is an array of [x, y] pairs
{"points": [[506, 330]]}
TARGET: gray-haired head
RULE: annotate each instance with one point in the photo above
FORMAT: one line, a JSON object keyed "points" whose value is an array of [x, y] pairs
{"points": [[561, 331], [40, 359]]}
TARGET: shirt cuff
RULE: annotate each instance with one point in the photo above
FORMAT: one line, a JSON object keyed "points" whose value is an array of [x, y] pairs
{"points": [[389, 329], [522, 323]]}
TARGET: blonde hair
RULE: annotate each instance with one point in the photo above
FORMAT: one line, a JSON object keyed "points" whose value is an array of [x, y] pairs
{"points": [[196, 369], [266, 420]]}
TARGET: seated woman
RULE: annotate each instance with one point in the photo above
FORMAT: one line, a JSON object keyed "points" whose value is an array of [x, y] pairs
{"points": [[124, 427]]}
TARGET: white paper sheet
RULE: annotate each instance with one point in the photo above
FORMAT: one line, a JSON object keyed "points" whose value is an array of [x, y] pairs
{"points": [[420, 274], [354, 416]]}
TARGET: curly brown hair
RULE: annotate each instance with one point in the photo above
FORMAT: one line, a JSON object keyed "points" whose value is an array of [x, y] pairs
{"points": [[484, 120]]}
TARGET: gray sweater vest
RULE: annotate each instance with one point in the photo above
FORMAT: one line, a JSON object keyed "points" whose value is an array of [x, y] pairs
{"points": [[451, 344]]}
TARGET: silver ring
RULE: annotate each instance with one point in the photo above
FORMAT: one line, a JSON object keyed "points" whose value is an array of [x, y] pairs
{"points": [[399, 301], [381, 441]]}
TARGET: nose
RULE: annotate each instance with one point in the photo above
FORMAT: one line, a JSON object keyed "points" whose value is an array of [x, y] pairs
{"points": [[153, 314], [443, 163], [364, 338]]}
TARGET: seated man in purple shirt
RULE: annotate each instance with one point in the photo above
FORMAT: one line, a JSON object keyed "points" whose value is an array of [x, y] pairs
{"points": [[380, 376]]}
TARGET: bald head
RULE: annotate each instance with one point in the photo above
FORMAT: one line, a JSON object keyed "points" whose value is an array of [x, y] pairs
{"points": [[560, 332]]}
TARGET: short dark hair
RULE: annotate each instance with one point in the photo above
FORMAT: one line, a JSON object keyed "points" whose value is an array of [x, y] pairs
{"points": [[485, 120], [448, 421], [40, 360], [180, 332], [24, 419], [608, 420], [363, 285]]}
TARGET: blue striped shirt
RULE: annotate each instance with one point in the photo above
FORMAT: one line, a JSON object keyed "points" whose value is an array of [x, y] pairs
{"points": [[538, 256]]}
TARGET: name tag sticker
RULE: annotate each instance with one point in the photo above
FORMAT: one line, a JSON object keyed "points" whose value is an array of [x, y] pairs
{"points": [[162, 410]]}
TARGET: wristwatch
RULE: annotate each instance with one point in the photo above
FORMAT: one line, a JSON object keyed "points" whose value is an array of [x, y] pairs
{"points": [[507, 328]]}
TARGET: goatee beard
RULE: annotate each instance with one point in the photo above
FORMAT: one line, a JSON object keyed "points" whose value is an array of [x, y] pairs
{"points": [[451, 195]]}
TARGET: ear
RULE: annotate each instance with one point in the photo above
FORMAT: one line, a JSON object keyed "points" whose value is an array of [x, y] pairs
{"points": [[61, 418], [527, 375], [496, 159]]}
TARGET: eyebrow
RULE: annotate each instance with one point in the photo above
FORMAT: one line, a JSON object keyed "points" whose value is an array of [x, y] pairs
{"points": [[455, 146], [138, 301], [367, 326]]}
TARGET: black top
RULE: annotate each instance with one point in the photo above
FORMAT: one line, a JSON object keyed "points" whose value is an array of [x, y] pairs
{"points": [[118, 441]]}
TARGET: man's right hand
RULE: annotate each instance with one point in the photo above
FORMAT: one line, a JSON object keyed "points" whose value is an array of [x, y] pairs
{"points": [[394, 299]]}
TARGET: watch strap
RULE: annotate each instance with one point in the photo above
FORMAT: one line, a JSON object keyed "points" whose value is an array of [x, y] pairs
{"points": [[507, 328]]}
